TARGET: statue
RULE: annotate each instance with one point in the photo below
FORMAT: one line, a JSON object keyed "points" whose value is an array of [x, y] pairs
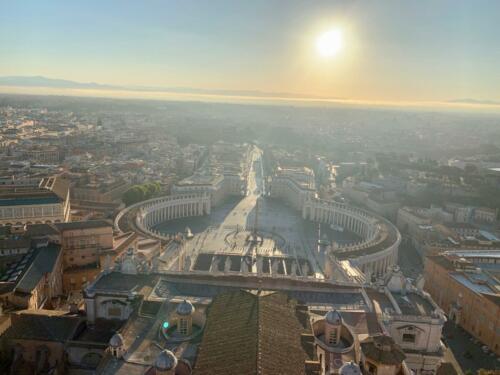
{"points": [[227, 264], [305, 269], [246, 265], [259, 265], [187, 263], [215, 264], [274, 266]]}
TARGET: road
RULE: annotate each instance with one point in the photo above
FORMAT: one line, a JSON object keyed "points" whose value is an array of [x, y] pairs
{"points": [[285, 233]]}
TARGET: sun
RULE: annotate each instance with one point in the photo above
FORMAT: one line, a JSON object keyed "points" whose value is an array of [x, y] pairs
{"points": [[329, 43]]}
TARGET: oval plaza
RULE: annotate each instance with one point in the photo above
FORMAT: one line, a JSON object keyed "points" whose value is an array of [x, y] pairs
{"points": [[270, 226]]}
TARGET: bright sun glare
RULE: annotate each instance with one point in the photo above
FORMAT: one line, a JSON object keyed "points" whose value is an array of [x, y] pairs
{"points": [[329, 43]]}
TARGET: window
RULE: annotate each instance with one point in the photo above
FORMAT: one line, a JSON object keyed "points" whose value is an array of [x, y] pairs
{"points": [[408, 337], [333, 337], [183, 326], [114, 312]]}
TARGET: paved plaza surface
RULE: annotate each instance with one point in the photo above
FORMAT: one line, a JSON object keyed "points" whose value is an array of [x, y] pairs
{"points": [[281, 230]]}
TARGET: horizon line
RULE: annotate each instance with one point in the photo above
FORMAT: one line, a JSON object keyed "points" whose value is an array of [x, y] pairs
{"points": [[97, 90]]}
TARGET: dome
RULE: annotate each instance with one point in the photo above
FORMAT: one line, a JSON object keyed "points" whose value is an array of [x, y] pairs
{"points": [[350, 368], [116, 341], [185, 308], [333, 317], [165, 361]]}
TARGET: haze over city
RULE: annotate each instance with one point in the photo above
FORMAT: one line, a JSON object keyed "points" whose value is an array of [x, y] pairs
{"points": [[249, 187]]}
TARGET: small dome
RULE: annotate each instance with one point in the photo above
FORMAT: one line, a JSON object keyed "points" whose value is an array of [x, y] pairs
{"points": [[165, 361], [185, 308], [116, 341], [333, 317], [350, 368]]}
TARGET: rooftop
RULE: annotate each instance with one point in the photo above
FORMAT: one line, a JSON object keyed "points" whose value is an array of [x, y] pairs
{"points": [[382, 349], [123, 283], [43, 262], [478, 282], [31, 326], [262, 334], [49, 199], [349, 299], [413, 304]]}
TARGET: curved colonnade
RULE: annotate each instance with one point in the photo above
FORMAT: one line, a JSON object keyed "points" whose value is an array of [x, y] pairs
{"points": [[144, 216], [377, 251]]}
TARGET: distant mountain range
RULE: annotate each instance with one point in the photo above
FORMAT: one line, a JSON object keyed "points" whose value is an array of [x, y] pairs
{"points": [[40, 81], [475, 101]]}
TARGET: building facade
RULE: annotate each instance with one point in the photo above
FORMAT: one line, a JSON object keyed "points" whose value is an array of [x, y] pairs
{"points": [[468, 295]]}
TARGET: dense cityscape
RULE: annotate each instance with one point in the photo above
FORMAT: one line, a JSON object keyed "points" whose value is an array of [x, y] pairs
{"points": [[260, 187], [133, 243]]}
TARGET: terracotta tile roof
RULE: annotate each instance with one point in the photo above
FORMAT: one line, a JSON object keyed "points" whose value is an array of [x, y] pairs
{"points": [[446, 368], [42, 327], [382, 349], [249, 334]]}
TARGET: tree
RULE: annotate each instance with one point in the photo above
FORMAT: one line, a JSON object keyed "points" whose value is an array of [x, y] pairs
{"points": [[133, 195], [138, 193]]}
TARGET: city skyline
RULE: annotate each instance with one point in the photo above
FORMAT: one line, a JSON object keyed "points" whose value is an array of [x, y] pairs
{"points": [[390, 53], [267, 187]]}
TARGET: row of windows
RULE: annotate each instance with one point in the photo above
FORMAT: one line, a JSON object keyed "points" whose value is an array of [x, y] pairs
{"points": [[13, 251], [9, 212], [81, 243], [30, 222]]}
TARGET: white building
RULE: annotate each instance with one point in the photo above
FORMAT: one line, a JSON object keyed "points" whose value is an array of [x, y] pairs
{"points": [[49, 202]]}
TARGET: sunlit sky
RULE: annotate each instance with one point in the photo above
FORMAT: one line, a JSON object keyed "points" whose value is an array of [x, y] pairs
{"points": [[391, 50]]}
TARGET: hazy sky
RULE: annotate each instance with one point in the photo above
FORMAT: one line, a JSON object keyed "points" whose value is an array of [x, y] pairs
{"points": [[392, 50]]}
